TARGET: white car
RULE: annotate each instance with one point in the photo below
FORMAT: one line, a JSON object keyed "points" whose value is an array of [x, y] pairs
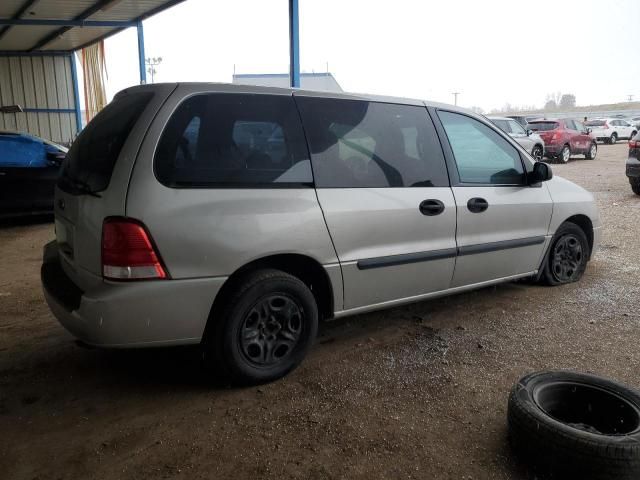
{"points": [[610, 130]]}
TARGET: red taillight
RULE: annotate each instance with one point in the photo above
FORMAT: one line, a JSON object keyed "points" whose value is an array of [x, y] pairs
{"points": [[634, 144], [128, 252]]}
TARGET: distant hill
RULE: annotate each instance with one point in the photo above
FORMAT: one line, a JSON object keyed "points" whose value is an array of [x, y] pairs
{"points": [[624, 106]]}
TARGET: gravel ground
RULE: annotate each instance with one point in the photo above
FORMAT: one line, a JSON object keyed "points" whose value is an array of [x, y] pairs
{"points": [[413, 392]]}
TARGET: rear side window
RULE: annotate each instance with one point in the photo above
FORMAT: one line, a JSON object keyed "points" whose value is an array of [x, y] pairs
{"points": [[93, 155], [481, 154], [595, 123], [543, 126], [233, 140], [360, 144]]}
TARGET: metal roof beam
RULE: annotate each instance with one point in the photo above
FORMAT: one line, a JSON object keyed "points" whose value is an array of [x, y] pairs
{"points": [[25, 6], [96, 7], [66, 23]]}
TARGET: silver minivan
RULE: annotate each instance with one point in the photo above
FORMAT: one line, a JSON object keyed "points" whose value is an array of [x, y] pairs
{"points": [[237, 217]]}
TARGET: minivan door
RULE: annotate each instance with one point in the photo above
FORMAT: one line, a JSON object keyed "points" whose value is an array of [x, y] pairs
{"points": [[382, 184], [502, 222]]}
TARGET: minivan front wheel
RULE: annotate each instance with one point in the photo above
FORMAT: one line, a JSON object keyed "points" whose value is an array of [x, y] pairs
{"points": [[567, 257], [265, 329]]}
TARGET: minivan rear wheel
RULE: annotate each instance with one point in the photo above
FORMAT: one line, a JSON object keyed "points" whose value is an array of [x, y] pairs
{"points": [[567, 257], [265, 329]]}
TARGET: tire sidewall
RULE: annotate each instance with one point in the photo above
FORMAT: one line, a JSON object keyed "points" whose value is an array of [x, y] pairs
{"points": [[561, 156], [613, 139], [591, 156], [240, 369], [553, 446]]}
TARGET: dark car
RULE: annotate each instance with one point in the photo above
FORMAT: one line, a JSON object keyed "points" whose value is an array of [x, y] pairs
{"points": [[633, 164], [29, 169], [565, 137]]}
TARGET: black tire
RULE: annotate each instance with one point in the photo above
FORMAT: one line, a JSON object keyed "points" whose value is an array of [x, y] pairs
{"points": [[265, 328], [633, 134], [613, 138], [536, 152], [565, 154], [592, 152], [635, 185], [576, 426], [567, 257]]}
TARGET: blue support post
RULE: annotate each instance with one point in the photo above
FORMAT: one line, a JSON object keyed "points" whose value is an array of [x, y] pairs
{"points": [[76, 92], [143, 70], [294, 45]]}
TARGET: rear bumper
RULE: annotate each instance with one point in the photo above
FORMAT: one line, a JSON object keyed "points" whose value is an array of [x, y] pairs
{"points": [[129, 314], [633, 168], [552, 149]]}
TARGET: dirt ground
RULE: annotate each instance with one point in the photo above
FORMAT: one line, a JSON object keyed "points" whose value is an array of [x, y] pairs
{"points": [[413, 392]]}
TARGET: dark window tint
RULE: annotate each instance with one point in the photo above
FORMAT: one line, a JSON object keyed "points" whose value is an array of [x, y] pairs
{"points": [[367, 144], [595, 123], [233, 140], [570, 125], [481, 154], [543, 126], [93, 155]]}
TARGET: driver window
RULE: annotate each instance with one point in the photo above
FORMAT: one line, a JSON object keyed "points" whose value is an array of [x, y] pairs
{"points": [[481, 154]]}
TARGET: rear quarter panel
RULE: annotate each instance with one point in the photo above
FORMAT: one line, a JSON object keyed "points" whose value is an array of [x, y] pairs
{"points": [[207, 232]]}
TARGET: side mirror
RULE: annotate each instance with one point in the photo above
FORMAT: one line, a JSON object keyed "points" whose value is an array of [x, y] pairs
{"points": [[541, 173], [55, 159], [529, 132]]}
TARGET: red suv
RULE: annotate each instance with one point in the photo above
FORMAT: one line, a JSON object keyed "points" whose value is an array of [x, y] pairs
{"points": [[565, 137]]}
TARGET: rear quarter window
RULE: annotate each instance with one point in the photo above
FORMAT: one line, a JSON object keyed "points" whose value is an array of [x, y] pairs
{"points": [[235, 141], [93, 155]]}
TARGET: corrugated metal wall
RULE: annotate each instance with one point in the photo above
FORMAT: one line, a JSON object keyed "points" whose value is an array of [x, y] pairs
{"points": [[38, 84]]}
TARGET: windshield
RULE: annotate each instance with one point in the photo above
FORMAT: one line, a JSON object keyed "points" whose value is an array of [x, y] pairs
{"points": [[543, 126], [93, 155], [595, 123], [501, 124]]}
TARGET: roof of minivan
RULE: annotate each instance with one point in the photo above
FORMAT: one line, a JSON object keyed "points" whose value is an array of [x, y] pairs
{"points": [[237, 88]]}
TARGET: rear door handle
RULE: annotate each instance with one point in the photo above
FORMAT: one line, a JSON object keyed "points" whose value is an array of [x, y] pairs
{"points": [[431, 207], [477, 205]]}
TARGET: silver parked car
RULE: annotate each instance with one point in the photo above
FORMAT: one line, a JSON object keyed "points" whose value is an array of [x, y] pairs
{"points": [[236, 217], [529, 140]]}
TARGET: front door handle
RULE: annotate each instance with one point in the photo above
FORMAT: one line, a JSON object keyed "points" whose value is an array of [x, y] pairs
{"points": [[431, 207], [477, 205]]}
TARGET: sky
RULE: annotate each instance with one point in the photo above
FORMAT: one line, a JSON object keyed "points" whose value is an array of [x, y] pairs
{"points": [[493, 52]]}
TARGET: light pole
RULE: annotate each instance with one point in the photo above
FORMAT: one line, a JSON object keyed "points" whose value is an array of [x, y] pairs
{"points": [[151, 63], [455, 97]]}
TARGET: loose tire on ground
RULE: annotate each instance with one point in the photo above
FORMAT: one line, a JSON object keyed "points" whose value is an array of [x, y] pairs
{"points": [[567, 257], [576, 426], [264, 330]]}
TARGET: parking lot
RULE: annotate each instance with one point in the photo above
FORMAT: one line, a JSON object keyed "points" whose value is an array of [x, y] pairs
{"points": [[412, 392]]}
